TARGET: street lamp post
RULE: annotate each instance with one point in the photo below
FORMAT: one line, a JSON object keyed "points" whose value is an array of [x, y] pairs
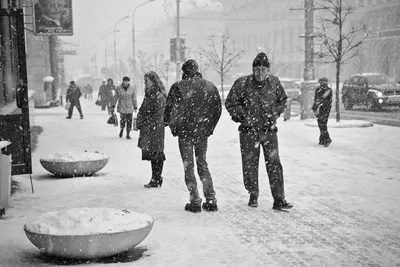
{"points": [[133, 35], [115, 45], [105, 49]]}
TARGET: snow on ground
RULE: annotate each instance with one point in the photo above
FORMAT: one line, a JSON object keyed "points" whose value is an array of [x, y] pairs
{"points": [[348, 192]]}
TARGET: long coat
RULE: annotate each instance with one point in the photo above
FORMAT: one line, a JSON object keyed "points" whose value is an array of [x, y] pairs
{"points": [[150, 122], [193, 108], [256, 105], [105, 94], [126, 99]]}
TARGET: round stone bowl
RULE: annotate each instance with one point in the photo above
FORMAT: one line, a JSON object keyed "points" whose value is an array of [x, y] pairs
{"points": [[74, 164], [88, 246]]}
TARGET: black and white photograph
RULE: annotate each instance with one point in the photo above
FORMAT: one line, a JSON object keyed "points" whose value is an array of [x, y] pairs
{"points": [[200, 133]]}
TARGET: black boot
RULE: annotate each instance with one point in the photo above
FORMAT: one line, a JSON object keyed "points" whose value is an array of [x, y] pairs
{"points": [[210, 205], [156, 178], [253, 201], [194, 206], [281, 204], [121, 132], [127, 135], [154, 183]]}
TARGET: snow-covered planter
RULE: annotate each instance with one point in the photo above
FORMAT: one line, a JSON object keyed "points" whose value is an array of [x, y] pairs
{"points": [[88, 233], [70, 164]]}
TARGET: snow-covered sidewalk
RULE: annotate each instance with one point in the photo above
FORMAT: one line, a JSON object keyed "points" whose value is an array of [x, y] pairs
{"points": [[346, 197]]}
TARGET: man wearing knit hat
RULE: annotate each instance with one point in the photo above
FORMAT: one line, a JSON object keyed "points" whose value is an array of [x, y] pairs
{"points": [[256, 101], [192, 112], [322, 107]]}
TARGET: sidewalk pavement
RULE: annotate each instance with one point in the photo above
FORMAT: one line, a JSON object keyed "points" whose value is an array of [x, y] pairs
{"points": [[346, 198]]}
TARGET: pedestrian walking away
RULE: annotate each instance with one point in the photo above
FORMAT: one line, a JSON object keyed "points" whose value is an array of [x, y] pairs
{"points": [[73, 95], [150, 123], [322, 107], [90, 92], [256, 101], [192, 112], [125, 100], [106, 94]]}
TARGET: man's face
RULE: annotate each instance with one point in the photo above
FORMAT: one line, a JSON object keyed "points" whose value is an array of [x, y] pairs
{"points": [[125, 83], [53, 8], [260, 72], [322, 83]]}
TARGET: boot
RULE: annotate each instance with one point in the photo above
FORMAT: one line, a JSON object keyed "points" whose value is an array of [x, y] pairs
{"points": [[127, 135], [121, 132], [154, 183], [210, 205], [81, 117], [253, 201], [281, 204], [194, 206]]}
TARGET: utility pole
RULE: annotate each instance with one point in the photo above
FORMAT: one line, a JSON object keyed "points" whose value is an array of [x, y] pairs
{"points": [[178, 43], [309, 72]]}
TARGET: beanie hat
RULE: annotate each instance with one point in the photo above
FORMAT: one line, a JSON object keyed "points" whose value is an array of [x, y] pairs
{"points": [[323, 79], [72, 82], [261, 60], [126, 78], [190, 67]]}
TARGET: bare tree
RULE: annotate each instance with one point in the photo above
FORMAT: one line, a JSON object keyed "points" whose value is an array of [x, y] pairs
{"points": [[221, 55], [340, 39]]}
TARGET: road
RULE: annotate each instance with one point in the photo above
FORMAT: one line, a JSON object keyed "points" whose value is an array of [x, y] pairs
{"points": [[389, 116]]}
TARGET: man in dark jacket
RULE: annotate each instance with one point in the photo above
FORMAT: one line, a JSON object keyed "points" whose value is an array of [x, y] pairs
{"points": [[322, 107], [73, 95], [256, 101], [192, 112]]}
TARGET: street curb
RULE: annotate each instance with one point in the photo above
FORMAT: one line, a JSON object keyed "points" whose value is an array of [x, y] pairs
{"points": [[343, 124]]}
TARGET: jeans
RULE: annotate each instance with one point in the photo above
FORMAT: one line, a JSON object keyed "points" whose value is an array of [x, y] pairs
{"points": [[250, 143], [186, 147]]}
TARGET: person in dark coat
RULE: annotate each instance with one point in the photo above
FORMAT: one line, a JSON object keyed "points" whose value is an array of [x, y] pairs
{"points": [[73, 95], [150, 123], [192, 112], [322, 107], [106, 94], [256, 101], [125, 100]]}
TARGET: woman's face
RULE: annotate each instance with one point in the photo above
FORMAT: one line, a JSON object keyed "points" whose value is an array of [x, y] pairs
{"points": [[148, 83]]}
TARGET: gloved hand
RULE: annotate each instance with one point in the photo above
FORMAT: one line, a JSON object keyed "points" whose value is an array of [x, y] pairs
{"points": [[237, 118]]}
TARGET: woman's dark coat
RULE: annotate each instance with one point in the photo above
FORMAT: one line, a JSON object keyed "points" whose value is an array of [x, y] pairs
{"points": [[150, 122]]}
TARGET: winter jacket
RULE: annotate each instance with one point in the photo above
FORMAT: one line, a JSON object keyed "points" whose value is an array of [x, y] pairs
{"points": [[105, 94], [73, 93], [125, 99], [193, 108], [322, 99], [256, 104], [150, 122]]}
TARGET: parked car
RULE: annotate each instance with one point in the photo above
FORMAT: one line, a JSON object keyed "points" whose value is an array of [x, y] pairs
{"points": [[291, 88], [374, 90]]}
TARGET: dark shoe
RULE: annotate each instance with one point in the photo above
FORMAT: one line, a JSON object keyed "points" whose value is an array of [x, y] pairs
{"points": [[320, 143], [154, 183], [253, 201], [194, 206], [81, 117], [128, 136], [210, 205], [68, 117], [282, 205], [327, 143], [121, 133]]}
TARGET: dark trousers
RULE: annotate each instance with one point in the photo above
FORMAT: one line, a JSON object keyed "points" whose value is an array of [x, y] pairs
{"points": [[323, 128], [77, 104], [126, 118], [250, 143], [186, 147]]}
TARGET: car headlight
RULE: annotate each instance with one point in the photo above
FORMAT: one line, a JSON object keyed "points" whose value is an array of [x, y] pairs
{"points": [[379, 94]]}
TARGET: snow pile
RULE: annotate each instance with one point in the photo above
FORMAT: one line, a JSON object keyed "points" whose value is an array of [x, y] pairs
{"points": [[88, 221], [73, 157]]}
